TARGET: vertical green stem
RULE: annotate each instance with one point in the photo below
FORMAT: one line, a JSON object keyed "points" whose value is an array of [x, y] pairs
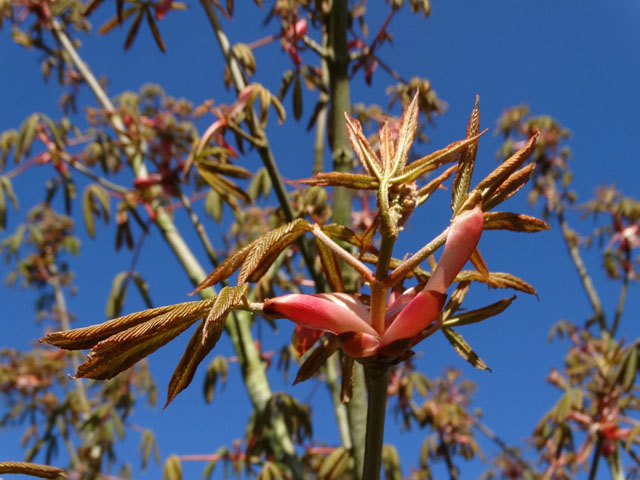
{"points": [[339, 103], [377, 382]]}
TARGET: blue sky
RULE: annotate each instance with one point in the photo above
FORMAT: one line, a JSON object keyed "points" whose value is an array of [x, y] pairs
{"points": [[577, 61]]}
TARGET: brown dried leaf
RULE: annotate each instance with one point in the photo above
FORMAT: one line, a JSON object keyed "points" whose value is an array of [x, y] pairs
{"points": [[479, 314], [276, 240], [463, 349], [32, 469], [516, 222], [327, 346], [467, 161]]}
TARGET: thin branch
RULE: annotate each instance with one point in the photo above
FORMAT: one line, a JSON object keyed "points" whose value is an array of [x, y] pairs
{"points": [[197, 225], [407, 266], [349, 259], [96, 178], [622, 298], [587, 283], [316, 47]]}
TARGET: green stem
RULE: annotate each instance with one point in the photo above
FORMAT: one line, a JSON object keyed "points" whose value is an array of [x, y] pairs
{"points": [[331, 370], [377, 383], [339, 103]]}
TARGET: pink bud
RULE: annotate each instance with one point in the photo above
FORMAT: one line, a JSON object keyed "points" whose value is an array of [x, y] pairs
{"points": [[418, 314], [332, 312], [462, 240]]}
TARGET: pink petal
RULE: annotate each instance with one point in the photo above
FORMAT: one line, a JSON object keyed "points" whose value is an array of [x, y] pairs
{"points": [[463, 237], [331, 312], [415, 317]]}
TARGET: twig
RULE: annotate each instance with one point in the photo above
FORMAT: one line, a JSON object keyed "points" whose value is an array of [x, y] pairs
{"points": [[587, 283], [349, 259], [622, 298], [96, 178], [407, 266]]}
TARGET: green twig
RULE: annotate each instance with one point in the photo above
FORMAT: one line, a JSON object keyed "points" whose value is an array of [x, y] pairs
{"points": [[377, 383]]}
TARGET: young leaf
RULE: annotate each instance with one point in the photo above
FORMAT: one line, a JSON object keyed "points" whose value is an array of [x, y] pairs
{"points": [[115, 301], [155, 31], [406, 136], [32, 469], [467, 160], [172, 469], [463, 349], [274, 241], [316, 359], [362, 148], [297, 98], [226, 268], [227, 299], [480, 314], [133, 31], [357, 181], [335, 464], [330, 266], [87, 337], [516, 222]]}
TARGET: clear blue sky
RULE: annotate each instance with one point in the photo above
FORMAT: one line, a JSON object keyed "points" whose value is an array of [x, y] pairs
{"points": [[577, 61]]}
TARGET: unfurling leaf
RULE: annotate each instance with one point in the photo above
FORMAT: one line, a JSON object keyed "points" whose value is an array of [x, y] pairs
{"points": [[391, 463], [218, 369], [32, 469], [509, 187], [467, 161], [330, 266], [266, 248], [316, 359], [87, 337], [95, 197], [172, 469], [406, 135], [480, 314], [155, 31], [363, 149], [516, 222], [343, 179], [496, 178], [117, 295], [497, 280], [133, 31], [463, 349], [226, 268], [425, 192], [227, 299], [417, 168], [147, 446], [335, 464]]}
